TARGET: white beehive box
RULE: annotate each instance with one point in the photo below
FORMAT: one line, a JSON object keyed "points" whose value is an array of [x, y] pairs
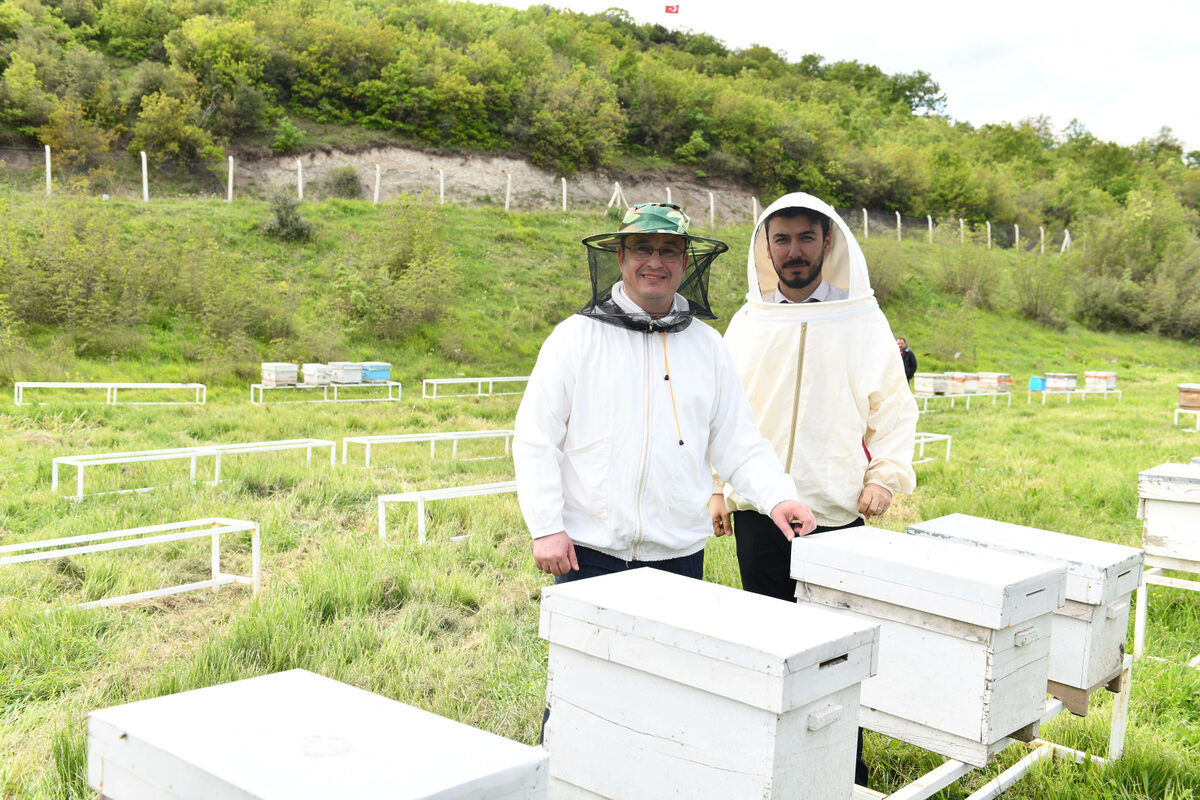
{"points": [[316, 374], [989, 381], [345, 371], [1087, 643], [956, 383], [1189, 395], [298, 736], [929, 383], [964, 647], [277, 373], [664, 686], [1169, 507], [1061, 381], [1100, 381]]}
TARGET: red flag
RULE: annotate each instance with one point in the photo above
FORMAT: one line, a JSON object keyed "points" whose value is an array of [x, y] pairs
{"points": [[672, 9]]}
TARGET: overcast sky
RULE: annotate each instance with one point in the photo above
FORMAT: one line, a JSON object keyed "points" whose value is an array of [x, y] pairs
{"points": [[1123, 70]]}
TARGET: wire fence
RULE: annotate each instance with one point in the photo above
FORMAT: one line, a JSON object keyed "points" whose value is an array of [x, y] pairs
{"points": [[379, 175]]}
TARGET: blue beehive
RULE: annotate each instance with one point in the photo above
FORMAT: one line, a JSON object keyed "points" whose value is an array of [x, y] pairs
{"points": [[1037, 383], [376, 371]]}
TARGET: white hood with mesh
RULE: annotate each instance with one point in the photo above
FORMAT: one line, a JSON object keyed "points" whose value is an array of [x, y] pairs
{"points": [[825, 378]]}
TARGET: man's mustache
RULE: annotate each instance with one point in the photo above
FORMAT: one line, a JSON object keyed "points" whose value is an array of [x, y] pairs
{"points": [[797, 262]]}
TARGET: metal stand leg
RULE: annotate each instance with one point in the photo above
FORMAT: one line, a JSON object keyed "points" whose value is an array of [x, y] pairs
{"points": [[1139, 619], [1120, 714], [216, 559], [420, 520]]}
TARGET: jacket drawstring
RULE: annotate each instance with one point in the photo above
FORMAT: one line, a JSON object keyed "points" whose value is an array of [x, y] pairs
{"points": [[671, 388]]}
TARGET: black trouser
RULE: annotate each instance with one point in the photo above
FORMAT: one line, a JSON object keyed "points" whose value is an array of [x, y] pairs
{"points": [[765, 562]]}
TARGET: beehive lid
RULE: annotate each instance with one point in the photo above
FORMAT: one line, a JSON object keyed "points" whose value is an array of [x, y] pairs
{"points": [[1060, 374], [298, 736], [738, 633], [1097, 374], [279, 365], [1178, 482], [1189, 387], [1097, 572], [376, 364], [958, 581]]}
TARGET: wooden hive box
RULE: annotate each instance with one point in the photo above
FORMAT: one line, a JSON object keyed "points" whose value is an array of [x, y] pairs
{"points": [[316, 374], [664, 686], [956, 383], [1189, 395], [298, 736], [1100, 381], [1061, 381], [964, 647], [1169, 507], [345, 371], [277, 373], [1087, 643], [989, 381], [376, 371], [929, 383]]}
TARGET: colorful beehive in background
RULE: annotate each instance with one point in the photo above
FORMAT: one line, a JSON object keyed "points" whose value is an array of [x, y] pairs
{"points": [[1100, 381], [929, 383], [1087, 644], [345, 371], [1061, 381], [300, 736], [276, 373], [1169, 505], [962, 383], [664, 686], [1189, 395], [316, 374], [376, 371], [995, 382], [964, 648]]}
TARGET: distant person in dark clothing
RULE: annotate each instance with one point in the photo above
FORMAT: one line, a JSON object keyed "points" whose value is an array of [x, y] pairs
{"points": [[908, 357]]}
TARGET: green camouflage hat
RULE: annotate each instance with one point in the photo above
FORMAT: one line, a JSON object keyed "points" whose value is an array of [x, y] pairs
{"points": [[655, 218]]}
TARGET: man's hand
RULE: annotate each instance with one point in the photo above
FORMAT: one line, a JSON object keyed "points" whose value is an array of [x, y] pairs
{"points": [[874, 500], [793, 518], [555, 554], [720, 515]]}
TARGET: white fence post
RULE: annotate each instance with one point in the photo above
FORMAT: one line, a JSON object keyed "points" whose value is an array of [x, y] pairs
{"points": [[754, 209], [668, 195], [299, 180], [229, 187], [145, 180], [1042, 238], [564, 194], [897, 226], [441, 187], [712, 211], [1016, 236], [989, 234], [507, 190], [866, 235], [929, 220], [47, 170], [962, 234], [377, 175], [1066, 245]]}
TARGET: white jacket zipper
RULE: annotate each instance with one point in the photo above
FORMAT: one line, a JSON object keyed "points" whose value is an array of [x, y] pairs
{"points": [[796, 399], [645, 458]]}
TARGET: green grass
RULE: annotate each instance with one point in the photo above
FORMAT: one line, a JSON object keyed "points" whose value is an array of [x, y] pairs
{"points": [[452, 628]]}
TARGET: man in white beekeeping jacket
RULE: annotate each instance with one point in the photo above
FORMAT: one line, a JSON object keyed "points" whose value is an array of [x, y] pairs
{"points": [[820, 368], [630, 401]]}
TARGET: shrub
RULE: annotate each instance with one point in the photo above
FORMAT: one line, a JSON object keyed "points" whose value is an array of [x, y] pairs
{"points": [[287, 137], [344, 183], [1041, 286], [286, 222]]}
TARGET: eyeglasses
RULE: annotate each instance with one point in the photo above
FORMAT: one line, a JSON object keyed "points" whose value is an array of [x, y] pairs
{"points": [[668, 255]]}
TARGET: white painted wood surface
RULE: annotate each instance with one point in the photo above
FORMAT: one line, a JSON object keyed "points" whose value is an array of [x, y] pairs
{"points": [[663, 686], [964, 633], [422, 496], [279, 373], [112, 388], [1089, 631], [1169, 506], [991, 589], [299, 736]]}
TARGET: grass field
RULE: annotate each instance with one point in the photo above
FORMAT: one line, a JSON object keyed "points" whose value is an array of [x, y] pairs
{"points": [[452, 628]]}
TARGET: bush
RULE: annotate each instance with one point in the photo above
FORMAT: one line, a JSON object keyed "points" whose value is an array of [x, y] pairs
{"points": [[287, 137], [344, 183], [286, 222], [1041, 286]]}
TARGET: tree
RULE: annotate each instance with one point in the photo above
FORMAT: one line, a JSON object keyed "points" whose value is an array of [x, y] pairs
{"points": [[72, 136], [168, 128]]}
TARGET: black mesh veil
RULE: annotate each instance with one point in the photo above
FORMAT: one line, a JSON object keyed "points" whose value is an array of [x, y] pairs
{"points": [[606, 271]]}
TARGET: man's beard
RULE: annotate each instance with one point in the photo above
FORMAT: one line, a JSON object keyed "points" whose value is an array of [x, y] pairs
{"points": [[801, 280]]}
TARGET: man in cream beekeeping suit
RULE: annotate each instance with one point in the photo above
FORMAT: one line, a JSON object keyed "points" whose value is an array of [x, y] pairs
{"points": [[818, 362]]}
